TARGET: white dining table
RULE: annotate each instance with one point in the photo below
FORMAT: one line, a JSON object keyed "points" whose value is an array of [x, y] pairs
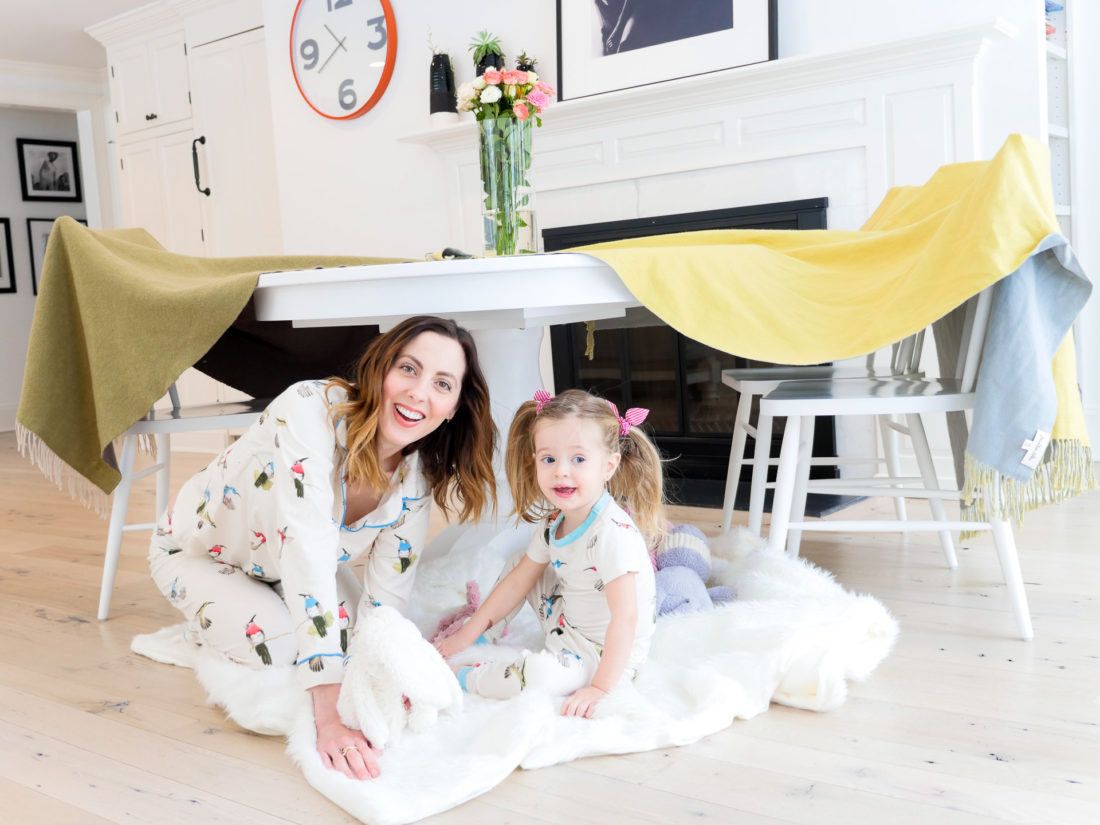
{"points": [[505, 302]]}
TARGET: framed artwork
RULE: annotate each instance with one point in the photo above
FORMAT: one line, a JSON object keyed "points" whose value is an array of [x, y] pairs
{"points": [[48, 170], [7, 262], [38, 234], [608, 45]]}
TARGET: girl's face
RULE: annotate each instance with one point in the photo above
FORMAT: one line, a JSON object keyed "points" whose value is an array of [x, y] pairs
{"points": [[421, 389], [573, 466]]}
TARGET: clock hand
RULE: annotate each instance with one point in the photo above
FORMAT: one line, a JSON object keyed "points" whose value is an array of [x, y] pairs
{"points": [[339, 45], [339, 42]]}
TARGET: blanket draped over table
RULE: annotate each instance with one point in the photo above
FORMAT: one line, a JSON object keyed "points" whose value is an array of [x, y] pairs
{"points": [[118, 318]]}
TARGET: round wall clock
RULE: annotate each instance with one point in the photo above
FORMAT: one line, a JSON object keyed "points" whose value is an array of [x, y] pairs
{"points": [[342, 53]]}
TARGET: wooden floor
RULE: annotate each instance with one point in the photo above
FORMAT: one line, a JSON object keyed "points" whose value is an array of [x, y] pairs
{"points": [[961, 724]]}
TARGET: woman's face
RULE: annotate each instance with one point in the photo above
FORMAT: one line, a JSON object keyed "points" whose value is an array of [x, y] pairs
{"points": [[420, 390]]}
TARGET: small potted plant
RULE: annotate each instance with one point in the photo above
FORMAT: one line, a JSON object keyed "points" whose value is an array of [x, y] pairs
{"points": [[487, 52], [525, 63]]}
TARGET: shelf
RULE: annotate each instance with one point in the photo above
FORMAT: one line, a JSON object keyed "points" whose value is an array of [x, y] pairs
{"points": [[1063, 209], [1056, 131], [1055, 51]]}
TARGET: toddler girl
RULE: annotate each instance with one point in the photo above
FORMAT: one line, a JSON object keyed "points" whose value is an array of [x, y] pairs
{"points": [[571, 461]]}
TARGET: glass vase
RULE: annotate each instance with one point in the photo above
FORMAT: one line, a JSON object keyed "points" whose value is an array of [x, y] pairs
{"points": [[508, 200]]}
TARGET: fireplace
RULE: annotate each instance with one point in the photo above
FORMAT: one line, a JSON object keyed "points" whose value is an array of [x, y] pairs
{"points": [[639, 361]]}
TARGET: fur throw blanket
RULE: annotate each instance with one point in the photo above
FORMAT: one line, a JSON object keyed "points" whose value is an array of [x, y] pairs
{"points": [[792, 635]]}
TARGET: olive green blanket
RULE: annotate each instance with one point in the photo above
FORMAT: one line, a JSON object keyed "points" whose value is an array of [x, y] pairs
{"points": [[118, 318]]}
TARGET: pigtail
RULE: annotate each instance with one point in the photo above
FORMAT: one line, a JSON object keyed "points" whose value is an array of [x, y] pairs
{"points": [[639, 482], [528, 503]]}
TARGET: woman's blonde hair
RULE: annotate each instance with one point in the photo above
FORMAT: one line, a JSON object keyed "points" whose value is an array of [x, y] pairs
{"points": [[638, 483], [457, 457]]}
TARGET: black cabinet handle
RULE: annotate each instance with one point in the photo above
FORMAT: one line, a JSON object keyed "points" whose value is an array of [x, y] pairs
{"points": [[152, 116], [195, 160]]}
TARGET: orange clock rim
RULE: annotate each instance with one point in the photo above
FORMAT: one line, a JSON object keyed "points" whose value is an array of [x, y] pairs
{"points": [[387, 70]]}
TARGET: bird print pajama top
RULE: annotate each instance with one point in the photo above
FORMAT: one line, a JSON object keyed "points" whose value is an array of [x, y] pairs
{"points": [[255, 553]]}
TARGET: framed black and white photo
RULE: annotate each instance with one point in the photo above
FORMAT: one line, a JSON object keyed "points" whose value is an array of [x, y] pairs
{"points": [[7, 261], [608, 45], [48, 170], [38, 233]]}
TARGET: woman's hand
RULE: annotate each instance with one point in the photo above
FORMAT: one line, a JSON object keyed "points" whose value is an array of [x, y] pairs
{"points": [[583, 702], [341, 748]]}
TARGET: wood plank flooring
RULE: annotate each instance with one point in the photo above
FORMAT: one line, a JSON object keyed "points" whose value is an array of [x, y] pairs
{"points": [[962, 723]]}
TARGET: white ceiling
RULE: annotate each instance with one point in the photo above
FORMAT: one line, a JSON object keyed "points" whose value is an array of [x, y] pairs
{"points": [[52, 31]]}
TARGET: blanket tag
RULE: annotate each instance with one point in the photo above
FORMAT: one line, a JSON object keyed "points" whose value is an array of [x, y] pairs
{"points": [[1034, 448]]}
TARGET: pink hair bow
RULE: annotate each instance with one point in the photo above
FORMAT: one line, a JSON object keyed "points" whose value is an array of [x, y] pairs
{"points": [[541, 397], [631, 418]]}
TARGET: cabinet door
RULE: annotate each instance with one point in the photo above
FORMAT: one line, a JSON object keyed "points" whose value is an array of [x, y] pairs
{"points": [[149, 83], [157, 187], [168, 65], [232, 110], [132, 88]]}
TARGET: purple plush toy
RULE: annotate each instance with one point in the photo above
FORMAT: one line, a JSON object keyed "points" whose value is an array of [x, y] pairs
{"points": [[683, 566]]}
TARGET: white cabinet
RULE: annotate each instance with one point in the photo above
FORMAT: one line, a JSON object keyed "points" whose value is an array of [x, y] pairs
{"points": [[157, 190], [232, 115], [149, 83]]}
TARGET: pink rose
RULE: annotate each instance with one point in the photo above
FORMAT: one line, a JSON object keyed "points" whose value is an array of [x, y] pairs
{"points": [[493, 76], [537, 99], [545, 88], [521, 111], [514, 77]]}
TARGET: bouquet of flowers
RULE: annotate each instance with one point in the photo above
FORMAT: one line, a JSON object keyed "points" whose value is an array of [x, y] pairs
{"points": [[505, 93], [505, 102]]}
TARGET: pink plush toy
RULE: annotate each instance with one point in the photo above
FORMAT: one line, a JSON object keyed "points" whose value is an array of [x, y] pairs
{"points": [[450, 625]]}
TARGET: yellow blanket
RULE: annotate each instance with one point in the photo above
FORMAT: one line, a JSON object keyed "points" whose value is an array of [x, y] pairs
{"points": [[117, 319], [802, 297]]}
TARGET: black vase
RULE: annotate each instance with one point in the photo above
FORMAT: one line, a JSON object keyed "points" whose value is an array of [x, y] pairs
{"points": [[490, 61], [442, 95]]}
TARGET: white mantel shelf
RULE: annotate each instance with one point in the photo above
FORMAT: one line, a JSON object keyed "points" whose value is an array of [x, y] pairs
{"points": [[753, 82]]}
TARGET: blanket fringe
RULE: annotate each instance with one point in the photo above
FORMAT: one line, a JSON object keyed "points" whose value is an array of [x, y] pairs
{"points": [[35, 450], [1066, 471]]}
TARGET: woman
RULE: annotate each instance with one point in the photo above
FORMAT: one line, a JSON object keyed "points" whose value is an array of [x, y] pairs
{"points": [[256, 550]]}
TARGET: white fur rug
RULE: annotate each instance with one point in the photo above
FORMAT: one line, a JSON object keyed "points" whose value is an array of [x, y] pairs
{"points": [[792, 636]]}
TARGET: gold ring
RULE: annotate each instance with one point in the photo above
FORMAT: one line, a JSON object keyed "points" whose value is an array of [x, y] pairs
{"points": [[344, 751]]}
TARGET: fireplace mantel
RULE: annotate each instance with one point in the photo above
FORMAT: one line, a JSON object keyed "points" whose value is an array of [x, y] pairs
{"points": [[847, 124]]}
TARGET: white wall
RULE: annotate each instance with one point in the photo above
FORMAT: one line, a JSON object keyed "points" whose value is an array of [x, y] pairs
{"points": [[353, 187], [17, 309]]}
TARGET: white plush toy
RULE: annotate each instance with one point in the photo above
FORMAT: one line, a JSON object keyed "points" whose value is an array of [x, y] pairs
{"points": [[389, 661]]}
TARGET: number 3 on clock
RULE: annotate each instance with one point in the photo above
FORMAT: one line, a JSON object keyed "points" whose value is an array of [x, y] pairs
{"points": [[342, 53]]}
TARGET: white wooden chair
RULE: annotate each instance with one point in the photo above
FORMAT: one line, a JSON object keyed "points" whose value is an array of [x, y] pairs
{"points": [[756, 382], [801, 401], [161, 424]]}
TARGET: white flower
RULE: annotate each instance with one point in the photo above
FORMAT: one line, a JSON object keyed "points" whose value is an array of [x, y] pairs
{"points": [[491, 94], [479, 83], [532, 77], [466, 95]]}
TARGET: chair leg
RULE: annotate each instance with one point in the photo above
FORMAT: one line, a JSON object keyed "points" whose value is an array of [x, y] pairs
{"points": [[784, 484], [890, 453], [931, 482], [119, 505], [1005, 543], [164, 474], [737, 459], [760, 459], [801, 482]]}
